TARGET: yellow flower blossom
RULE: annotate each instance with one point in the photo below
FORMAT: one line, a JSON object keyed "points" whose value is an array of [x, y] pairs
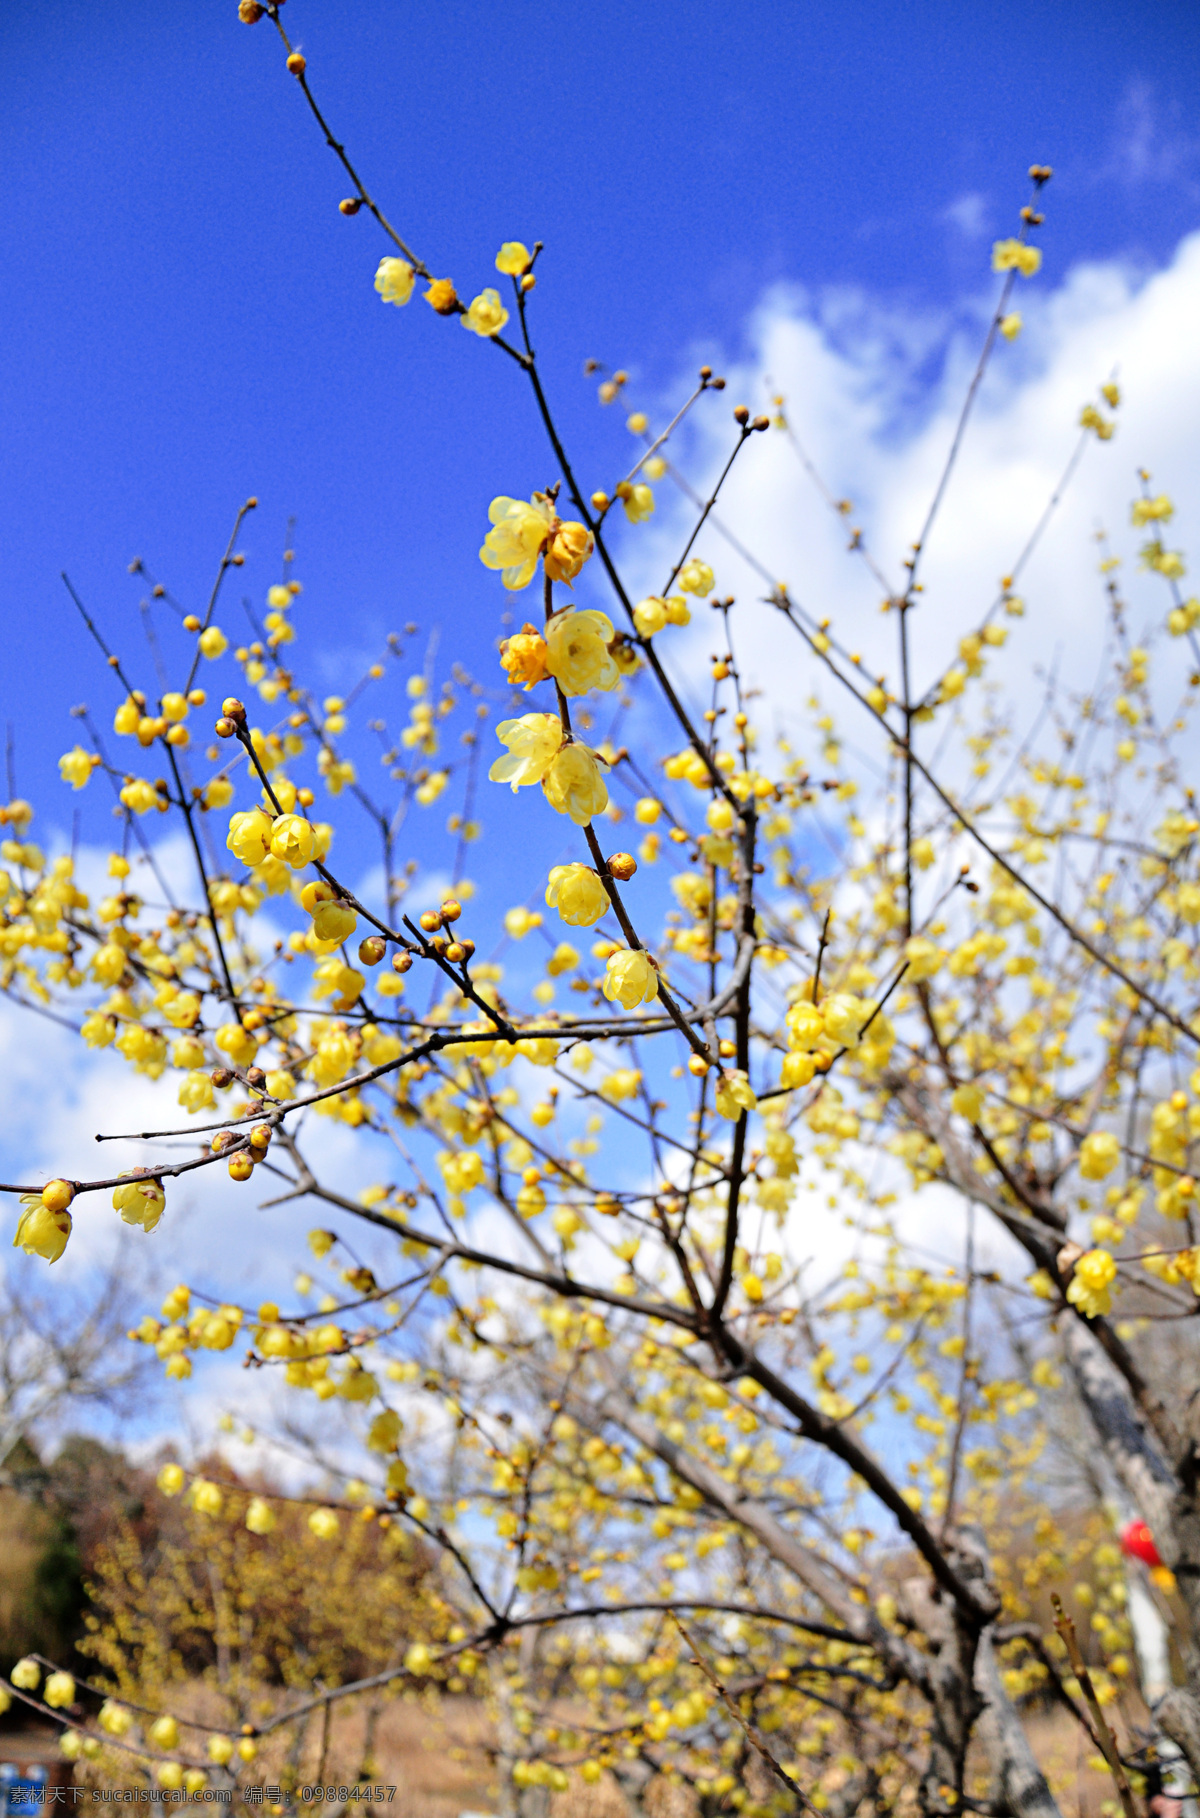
{"points": [[650, 615], [140, 1202], [1014, 255], [1011, 325], [394, 281], [630, 979], [734, 1094], [42, 1231], [1099, 1154], [568, 549], [512, 259], [487, 314], [171, 1479], [577, 653], [292, 840], [260, 1516], [518, 534], [26, 1675], [696, 577], [523, 657], [196, 1092], [141, 796], [1091, 1283], [249, 836], [638, 501], [76, 766], [573, 784], [324, 1524], [213, 642], [441, 296], [578, 895], [532, 743]]}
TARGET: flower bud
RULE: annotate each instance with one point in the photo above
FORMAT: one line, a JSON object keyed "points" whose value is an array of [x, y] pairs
{"points": [[241, 1166], [350, 205], [600, 501], [57, 1195], [622, 865], [402, 962], [372, 950], [741, 415], [250, 11], [454, 953], [297, 64], [232, 709], [191, 622], [224, 728], [431, 921], [697, 1065], [451, 910], [260, 1136], [221, 1077]]}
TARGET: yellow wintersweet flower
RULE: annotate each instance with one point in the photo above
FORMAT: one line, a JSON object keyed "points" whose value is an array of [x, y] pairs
{"points": [[1014, 255], [26, 1675], [1099, 1154], [518, 535], [487, 314], [630, 979], [806, 1028], [734, 1095], [97, 1029], [1144, 511], [574, 785], [42, 1231], [1091, 1283], [569, 547], [114, 1719], [218, 793], [249, 836], [324, 1524], [441, 296], [532, 742], [141, 796], [76, 766], [696, 577], [164, 1733], [125, 719], [1011, 325], [292, 839], [238, 1043], [260, 1516], [206, 1497], [196, 1093], [394, 281], [650, 615], [140, 1202], [171, 1479], [213, 642], [513, 259], [59, 1690], [523, 657], [797, 1070], [968, 1102], [578, 895], [220, 1748], [638, 501], [577, 653]]}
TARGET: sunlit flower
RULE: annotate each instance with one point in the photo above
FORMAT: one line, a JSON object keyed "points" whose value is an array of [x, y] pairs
{"points": [[213, 642], [577, 653], [1091, 1283], [249, 836], [734, 1094], [650, 615], [568, 549], [523, 657], [638, 501], [441, 296], [292, 840], [171, 1479], [324, 1524], [578, 895], [41, 1231], [394, 281], [1099, 1154], [1014, 255], [59, 1691], [487, 314], [260, 1516], [696, 577], [140, 1202], [1011, 325], [76, 766], [574, 785], [512, 259], [519, 531], [532, 742], [630, 978]]}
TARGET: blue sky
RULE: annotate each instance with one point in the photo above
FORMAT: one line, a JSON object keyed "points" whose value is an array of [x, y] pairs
{"points": [[188, 318]]}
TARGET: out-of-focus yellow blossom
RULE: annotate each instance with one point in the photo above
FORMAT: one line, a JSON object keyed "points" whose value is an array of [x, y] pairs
{"points": [[98, 1030], [1099, 1154], [169, 1774], [924, 958], [206, 1497], [114, 1719], [1011, 325], [140, 1202], [532, 743], [1015, 255], [220, 1750], [41, 1231], [573, 784], [324, 1524], [523, 657], [487, 314], [565, 958], [442, 297], [141, 796], [292, 840], [734, 1094], [512, 259], [630, 979], [923, 854], [797, 1070], [218, 793], [394, 281], [260, 1516], [638, 501], [249, 836], [213, 642], [578, 895], [520, 921], [26, 1675], [696, 577], [1091, 1283], [968, 1102], [577, 653], [650, 615], [164, 1733], [1150, 511], [59, 1691], [171, 1479], [806, 1028], [76, 766]]}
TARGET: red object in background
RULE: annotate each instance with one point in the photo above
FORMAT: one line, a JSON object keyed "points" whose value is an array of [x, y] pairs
{"points": [[1138, 1542]]}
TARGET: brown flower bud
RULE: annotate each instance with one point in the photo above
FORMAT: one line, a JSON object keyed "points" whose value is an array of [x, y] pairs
{"points": [[372, 950], [622, 865], [250, 11], [260, 1136], [451, 909], [297, 64], [224, 728], [221, 1077], [350, 205], [256, 1077], [454, 953], [741, 415], [468, 948], [402, 961], [431, 921]]}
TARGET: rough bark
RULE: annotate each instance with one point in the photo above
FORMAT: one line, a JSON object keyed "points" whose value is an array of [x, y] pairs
{"points": [[1018, 1784]]}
